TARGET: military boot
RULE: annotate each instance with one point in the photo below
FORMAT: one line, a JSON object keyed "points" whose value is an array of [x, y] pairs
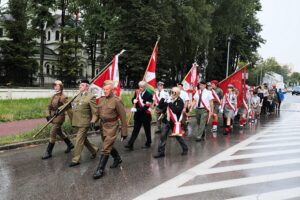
{"points": [[101, 166], [117, 159], [48, 153], [69, 144]]}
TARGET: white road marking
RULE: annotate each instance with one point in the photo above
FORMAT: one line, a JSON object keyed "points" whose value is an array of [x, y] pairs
{"points": [[271, 145], [192, 189], [274, 195], [275, 135], [231, 168], [257, 155], [277, 139], [172, 187]]}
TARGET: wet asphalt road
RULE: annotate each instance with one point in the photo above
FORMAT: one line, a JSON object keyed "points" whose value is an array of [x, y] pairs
{"points": [[258, 162]]}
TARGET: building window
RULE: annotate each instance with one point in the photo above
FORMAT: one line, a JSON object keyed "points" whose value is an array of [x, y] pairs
{"points": [[53, 70], [48, 36], [1, 32], [47, 69], [56, 35]]}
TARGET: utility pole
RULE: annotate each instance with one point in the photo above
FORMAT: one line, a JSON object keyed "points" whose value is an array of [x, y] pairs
{"points": [[228, 49]]}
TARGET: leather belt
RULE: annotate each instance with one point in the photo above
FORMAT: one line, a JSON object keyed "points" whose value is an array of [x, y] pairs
{"points": [[110, 119]]}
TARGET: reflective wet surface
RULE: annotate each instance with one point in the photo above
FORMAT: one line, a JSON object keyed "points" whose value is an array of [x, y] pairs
{"points": [[250, 163]]}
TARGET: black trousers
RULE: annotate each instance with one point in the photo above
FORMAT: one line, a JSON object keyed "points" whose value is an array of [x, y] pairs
{"points": [[163, 139], [138, 123]]}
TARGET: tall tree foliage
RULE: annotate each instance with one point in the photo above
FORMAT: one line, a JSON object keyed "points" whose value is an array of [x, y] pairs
{"points": [[40, 20], [237, 20], [16, 60]]}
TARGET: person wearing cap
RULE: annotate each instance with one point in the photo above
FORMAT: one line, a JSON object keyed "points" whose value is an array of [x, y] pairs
{"points": [[84, 117], [229, 107], [142, 101], [186, 99], [158, 95], [171, 118], [244, 108], [110, 110], [57, 100], [218, 96], [203, 103]]}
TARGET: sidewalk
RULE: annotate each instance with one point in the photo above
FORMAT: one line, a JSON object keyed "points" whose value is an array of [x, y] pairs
{"points": [[16, 127]]}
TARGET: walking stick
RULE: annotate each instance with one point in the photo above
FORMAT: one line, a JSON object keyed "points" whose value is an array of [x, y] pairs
{"points": [[68, 104]]}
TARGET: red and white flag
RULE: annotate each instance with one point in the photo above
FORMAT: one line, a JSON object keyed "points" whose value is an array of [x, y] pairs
{"points": [[150, 76], [110, 73], [191, 80]]}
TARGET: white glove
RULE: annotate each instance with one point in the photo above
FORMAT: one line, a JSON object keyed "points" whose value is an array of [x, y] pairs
{"points": [[249, 111], [221, 110], [135, 101], [220, 107], [133, 110], [169, 100], [235, 113]]}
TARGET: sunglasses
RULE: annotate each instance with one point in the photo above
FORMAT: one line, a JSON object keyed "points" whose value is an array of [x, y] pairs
{"points": [[173, 92]]}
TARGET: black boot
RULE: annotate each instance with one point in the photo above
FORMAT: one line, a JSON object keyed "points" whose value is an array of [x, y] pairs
{"points": [[101, 166], [117, 159], [69, 144], [48, 153]]}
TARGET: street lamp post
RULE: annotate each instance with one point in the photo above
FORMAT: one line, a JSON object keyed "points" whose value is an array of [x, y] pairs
{"points": [[228, 49]]}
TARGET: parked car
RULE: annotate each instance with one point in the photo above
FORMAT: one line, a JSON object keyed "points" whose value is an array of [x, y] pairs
{"points": [[296, 90]]}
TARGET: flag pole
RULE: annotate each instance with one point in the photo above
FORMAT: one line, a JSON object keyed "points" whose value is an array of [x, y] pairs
{"points": [[67, 104], [134, 105]]}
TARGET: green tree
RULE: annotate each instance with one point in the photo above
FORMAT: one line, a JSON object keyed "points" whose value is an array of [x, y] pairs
{"points": [[237, 20], [16, 54], [40, 20]]}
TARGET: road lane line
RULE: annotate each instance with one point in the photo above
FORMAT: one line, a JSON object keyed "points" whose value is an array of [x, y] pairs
{"points": [[276, 139], [271, 145], [274, 195], [257, 155], [192, 189], [232, 168]]}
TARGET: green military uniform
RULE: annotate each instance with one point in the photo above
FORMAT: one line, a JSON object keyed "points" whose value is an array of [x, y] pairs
{"points": [[56, 101], [84, 112]]}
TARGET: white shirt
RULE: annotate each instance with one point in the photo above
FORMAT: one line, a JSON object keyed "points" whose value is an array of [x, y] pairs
{"points": [[163, 94], [184, 96], [206, 97], [255, 100]]}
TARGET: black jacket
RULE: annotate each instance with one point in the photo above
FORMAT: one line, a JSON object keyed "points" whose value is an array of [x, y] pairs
{"points": [[176, 107], [147, 97]]}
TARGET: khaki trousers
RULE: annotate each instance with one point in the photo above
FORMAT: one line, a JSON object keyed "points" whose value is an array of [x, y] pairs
{"points": [[56, 130], [81, 140]]}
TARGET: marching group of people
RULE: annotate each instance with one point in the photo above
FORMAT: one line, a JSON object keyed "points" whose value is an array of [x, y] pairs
{"points": [[209, 103]]}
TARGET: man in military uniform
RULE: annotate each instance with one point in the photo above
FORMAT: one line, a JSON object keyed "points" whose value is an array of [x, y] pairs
{"points": [[174, 107], [111, 109], [158, 95], [84, 116], [218, 95], [57, 100], [142, 115]]}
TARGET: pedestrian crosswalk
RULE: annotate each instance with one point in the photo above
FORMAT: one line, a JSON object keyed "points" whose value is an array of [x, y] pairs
{"points": [[268, 163]]}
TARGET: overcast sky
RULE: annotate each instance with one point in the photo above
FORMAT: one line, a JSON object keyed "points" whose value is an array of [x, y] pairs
{"points": [[281, 30]]}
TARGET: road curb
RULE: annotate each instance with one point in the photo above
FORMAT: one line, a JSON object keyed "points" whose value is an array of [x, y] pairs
{"points": [[43, 141]]}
